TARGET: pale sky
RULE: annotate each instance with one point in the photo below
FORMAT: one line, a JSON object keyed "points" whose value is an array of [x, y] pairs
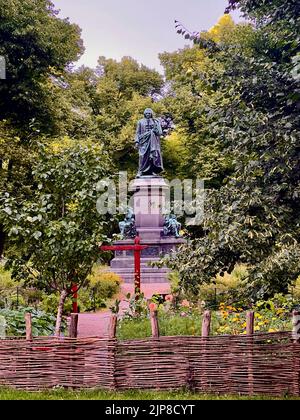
{"points": [[137, 28]]}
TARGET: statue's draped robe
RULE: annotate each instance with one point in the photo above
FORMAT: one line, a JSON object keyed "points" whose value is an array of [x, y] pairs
{"points": [[148, 135]]}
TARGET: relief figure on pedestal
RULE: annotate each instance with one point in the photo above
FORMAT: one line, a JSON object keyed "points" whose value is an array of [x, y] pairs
{"points": [[172, 227], [127, 226]]}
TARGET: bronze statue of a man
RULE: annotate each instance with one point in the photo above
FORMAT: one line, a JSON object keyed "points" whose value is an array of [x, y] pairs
{"points": [[147, 139]]}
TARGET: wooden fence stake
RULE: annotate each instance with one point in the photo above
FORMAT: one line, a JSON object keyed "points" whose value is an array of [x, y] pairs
{"points": [[206, 322], [296, 362], [296, 326], [250, 323], [154, 324], [73, 329], [28, 326], [112, 332], [250, 331]]}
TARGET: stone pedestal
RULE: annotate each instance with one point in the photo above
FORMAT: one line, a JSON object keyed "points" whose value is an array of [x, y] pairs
{"points": [[148, 203]]}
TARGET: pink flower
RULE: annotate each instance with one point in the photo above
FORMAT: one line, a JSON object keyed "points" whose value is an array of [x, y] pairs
{"points": [[183, 315], [185, 303], [169, 298], [152, 307]]}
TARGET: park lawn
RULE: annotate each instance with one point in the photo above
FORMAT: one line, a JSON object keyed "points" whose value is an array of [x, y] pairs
{"points": [[61, 394]]}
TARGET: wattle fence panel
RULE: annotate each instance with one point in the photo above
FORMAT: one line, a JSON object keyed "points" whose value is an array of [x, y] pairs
{"points": [[250, 365], [48, 363]]}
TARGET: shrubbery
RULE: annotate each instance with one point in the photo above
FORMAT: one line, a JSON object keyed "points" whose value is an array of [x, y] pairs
{"points": [[101, 286], [43, 324], [229, 289], [185, 318]]}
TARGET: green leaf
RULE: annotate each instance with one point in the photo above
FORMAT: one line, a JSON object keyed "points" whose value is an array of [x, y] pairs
{"points": [[8, 210], [13, 231], [37, 235]]}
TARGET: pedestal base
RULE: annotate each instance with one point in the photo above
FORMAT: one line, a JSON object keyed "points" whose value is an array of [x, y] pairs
{"points": [[149, 202], [123, 263]]}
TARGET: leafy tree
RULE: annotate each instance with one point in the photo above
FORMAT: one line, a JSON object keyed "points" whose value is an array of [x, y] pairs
{"points": [[130, 77], [35, 44], [15, 167], [254, 217], [38, 47], [54, 235], [195, 90], [71, 98], [123, 90]]}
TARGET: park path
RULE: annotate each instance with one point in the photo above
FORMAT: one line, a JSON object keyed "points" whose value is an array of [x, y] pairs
{"points": [[96, 324]]}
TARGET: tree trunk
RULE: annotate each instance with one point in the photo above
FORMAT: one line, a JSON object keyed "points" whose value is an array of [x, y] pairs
{"points": [[2, 241], [62, 299]]}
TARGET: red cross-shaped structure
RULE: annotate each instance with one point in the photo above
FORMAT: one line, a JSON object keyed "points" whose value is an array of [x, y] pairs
{"points": [[137, 248]]}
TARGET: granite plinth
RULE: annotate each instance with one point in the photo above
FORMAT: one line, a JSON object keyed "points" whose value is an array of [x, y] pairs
{"points": [[149, 203], [123, 263], [149, 206]]}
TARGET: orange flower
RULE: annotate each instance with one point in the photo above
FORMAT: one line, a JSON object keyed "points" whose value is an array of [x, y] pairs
{"points": [[185, 303], [152, 307]]}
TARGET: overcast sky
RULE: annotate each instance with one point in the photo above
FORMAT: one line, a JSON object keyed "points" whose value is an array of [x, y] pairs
{"points": [[138, 28]]}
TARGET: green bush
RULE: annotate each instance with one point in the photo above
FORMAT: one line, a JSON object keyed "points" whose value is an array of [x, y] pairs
{"points": [[295, 291], [14, 294], [102, 285], [49, 304], [184, 318], [43, 324], [106, 284], [169, 325], [181, 318], [10, 290], [227, 288]]}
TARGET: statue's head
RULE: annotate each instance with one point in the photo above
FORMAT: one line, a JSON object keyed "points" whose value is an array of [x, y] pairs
{"points": [[148, 113]]}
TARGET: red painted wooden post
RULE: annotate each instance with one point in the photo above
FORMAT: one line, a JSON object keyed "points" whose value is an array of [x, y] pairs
{"points": [[137, 268], [137, 248], [28, 327]]}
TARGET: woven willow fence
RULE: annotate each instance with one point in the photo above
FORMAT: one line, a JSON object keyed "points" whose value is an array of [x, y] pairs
{"points": [[248, 364]]}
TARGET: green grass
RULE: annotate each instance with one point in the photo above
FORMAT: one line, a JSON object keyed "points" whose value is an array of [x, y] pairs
{"points": [[171, 324], [60, 394], [175, 325]]}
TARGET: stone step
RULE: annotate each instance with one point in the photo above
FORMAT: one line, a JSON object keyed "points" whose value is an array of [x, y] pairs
{"points": [[127, 264], [148, 276]]}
